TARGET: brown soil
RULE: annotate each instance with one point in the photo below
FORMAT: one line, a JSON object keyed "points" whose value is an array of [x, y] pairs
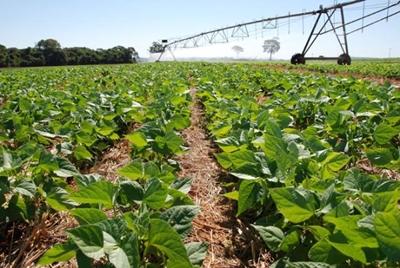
{"points": [[30, 241], [231, 242], [367, 166], [26, 243], [115, 157]]}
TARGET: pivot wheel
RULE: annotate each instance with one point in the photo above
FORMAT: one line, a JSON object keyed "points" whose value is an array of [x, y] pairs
{"points": [[344, 59], [298, 59]]}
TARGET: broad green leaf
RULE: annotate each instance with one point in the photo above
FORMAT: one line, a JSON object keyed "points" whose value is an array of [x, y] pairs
{"points": [[224, 160], [7, 160], [133, 171], [170, 143], [297, 206], [323, 251], [88, 215], [87, 127], [243, 176], [116, 255], [173, 142], [65, 168], [197, 252], [25, 188], [379, 156], [167, 240], [138, 139], [81, 153], [272, 236], [132, 190], [105, 130], [48, 134], [386, 201], [130, 245], [151, 170], [155, 194], [384, 133], [183, 185], [85, 138], [100, 192], [273, 129], [89, 239], [83, 260], [58, 253], [48, 162], [348, 226], [59, 200], [228, 144], [333, 163], [245, 164], [248, 193], [319, 232], [120, 244], [356, 253], [180, 218], [180, 122], [387, 228], [290, 241], [276, 148], [232, 195], [177, 198], [221, 132]]}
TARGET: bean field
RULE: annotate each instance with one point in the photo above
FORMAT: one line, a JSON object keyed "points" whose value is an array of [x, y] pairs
{"points": [[199, 165]]}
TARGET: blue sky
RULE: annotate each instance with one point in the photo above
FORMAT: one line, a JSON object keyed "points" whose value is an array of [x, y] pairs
{"points": [[107, 23]]}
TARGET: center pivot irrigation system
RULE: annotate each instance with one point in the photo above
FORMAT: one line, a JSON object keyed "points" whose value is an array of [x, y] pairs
{"points": [[324, 19]]}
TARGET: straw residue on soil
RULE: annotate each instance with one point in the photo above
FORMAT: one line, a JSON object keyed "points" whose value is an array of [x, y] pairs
{"points": [[115, 157], [24, 243], [367, 166], [229, 241]]}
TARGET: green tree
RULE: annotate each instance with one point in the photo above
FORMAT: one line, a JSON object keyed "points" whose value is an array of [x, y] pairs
{"points": [[48, 52], [31, 57], [156, 48], [52, 52], [271, 46], [13, 57], [3, 56]]}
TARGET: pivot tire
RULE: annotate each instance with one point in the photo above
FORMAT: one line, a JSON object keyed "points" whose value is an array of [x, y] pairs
{"points": [[344, 59], [298, 59]]}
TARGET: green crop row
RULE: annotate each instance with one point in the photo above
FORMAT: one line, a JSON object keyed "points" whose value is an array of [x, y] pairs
{"points": [[56, 122], [295, 144], [308, 152], [364, 68]]}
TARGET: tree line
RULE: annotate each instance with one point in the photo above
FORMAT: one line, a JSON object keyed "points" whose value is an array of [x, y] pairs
{"points": [[49, 52]]}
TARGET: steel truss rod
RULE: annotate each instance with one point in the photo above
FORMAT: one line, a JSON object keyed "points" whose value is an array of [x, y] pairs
{"points": [[374, 22], [366, 16], [314, 12], [344, 31], [345, 50]]}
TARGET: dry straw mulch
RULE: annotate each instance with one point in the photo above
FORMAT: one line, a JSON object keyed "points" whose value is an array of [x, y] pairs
{"points": [[25, 243], [231, 242]]}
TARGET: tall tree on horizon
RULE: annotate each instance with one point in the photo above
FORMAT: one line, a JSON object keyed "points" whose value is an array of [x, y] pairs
{"points": [[52, 52], [237, 50], [271, 46]]}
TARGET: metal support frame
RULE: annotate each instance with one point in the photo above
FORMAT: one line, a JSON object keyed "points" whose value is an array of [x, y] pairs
{"points": [[344, 58], [344, 31], [163, 52], [225, 34]]}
